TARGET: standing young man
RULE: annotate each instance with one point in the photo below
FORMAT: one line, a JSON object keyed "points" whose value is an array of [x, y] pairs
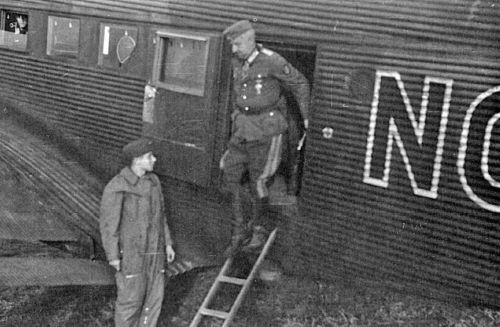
{"points": [[136, 237], [257, 126]]}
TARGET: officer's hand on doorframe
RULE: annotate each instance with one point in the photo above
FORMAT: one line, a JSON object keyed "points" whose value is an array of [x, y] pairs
{"points": [[115, 264], [170, 254]]}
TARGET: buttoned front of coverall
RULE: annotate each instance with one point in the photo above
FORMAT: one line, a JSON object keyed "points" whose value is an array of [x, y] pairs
{"points": [[134, 230]]}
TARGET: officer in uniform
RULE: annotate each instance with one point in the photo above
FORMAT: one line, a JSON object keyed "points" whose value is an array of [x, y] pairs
{"points": [[258, 125]]}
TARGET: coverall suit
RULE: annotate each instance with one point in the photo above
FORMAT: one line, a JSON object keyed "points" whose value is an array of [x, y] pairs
{"points": [[257, 127], [134, 230]]}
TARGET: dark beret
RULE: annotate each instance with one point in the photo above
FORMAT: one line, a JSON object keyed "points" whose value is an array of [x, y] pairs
{"points": [[237, 29], [138, 148]]}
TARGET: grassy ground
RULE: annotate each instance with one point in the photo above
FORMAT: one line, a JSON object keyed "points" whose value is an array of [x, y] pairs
{"points": [[292, 302], [298, 302]]}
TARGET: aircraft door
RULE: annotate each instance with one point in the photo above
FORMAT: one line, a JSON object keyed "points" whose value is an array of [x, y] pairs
{"points": [[182, 104]]}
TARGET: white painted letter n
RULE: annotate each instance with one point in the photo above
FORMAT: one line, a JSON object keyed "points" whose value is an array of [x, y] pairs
{"points": [[418, 129]]}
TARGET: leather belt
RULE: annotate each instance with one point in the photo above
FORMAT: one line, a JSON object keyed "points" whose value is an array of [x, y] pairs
{"points": [[257, 111]]}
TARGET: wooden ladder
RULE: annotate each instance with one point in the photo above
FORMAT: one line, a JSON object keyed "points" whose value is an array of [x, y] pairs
{"points": [[223, 278]]}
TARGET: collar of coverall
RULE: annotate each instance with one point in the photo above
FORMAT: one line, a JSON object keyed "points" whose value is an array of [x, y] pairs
{"points": [[132, 178]]}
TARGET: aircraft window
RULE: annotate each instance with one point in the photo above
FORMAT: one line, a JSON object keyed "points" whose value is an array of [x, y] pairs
{"points": [[14, 33], [117, 42], [63, 36], [182, 63]]}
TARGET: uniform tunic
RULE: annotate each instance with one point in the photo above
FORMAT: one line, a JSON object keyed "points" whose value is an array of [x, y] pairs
{"points": [[257, 96], [257, 119], [134, 230]]}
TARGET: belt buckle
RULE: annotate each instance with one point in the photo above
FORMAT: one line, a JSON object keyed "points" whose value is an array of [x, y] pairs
{"points": [[247, 111]]}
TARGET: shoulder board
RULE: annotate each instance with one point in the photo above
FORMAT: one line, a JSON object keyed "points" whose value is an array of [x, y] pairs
{"points": [[267, 52]]}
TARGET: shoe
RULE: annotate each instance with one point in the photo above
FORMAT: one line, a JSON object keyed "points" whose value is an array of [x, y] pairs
{"points": [[258, 240]]}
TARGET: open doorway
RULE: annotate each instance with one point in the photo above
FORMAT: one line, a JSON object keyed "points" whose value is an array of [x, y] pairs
{"points": [[288, 178]]}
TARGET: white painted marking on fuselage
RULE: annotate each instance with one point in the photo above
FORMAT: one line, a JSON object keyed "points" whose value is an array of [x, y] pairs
{"points": [[418, 128]]}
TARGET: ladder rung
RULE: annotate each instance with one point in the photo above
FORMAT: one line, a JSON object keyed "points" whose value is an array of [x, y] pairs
{"points": [[214, 313], [231, 280]]}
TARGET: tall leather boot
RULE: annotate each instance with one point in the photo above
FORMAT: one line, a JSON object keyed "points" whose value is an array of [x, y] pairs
{"points": [[260, 224], [238, 233]]}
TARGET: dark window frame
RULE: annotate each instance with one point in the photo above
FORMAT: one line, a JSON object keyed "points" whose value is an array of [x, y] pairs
{"points": [[158, 67], [9, 39]]}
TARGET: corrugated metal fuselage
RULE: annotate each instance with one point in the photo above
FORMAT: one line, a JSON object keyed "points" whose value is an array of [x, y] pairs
{"points": [[401, 178]]}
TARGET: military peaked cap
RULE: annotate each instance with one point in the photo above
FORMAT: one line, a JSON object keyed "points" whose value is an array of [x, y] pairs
{"points": [[138, 148], [237, 29]]}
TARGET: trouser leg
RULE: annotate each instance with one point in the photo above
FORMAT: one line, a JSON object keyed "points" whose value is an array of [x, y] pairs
{"points": [[154, 296], [131, 290], [266, 157]]}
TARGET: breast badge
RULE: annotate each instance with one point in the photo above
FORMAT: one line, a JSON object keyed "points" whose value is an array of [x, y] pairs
{"points": [[258, 85]]}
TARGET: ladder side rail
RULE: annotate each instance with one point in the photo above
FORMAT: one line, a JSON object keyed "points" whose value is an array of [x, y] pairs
{"points": [[243, 291]]}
